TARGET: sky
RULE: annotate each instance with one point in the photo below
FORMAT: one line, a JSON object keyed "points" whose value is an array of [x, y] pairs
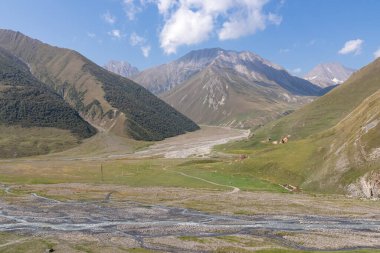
{"points": [[296, 34]]}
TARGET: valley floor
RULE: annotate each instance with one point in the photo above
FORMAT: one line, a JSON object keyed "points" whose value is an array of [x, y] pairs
{"points": [[173, 196]]}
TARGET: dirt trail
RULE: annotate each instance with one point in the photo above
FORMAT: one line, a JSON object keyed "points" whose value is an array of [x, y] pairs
{"points": [[13, 242], [234, 189]]}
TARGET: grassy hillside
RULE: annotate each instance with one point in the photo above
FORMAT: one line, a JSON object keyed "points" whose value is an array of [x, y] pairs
{"points": [[27, 106], [104, 99], [328, 110], [17, 141], [334, 141]]}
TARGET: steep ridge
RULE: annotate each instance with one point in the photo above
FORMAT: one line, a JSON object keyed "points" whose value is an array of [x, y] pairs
{"points": [[220, 87], [355, 150], [106, 100]]}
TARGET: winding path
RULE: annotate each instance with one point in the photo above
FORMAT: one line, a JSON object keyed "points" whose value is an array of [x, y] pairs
{"points": [[234, 189], [13, 242]]}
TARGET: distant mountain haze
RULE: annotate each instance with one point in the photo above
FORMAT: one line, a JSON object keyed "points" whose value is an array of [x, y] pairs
{"points": [[229, 88], [329, 74], [122, 68], [165, 77]]}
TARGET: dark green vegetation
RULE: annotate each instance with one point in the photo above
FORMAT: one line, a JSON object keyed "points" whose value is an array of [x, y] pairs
{"points": [[334, 140], [26, 102], [148, 118], [104, 99]]}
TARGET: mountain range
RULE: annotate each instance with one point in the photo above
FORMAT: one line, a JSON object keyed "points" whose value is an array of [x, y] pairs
{"points": [[228, 88], [46, 87], [329, 74]]}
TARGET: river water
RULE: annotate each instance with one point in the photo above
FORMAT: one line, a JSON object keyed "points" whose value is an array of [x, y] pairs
{"points": [[40, 215]]}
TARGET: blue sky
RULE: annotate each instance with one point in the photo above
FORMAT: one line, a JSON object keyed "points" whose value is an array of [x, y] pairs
{"points": [[297, 34]]}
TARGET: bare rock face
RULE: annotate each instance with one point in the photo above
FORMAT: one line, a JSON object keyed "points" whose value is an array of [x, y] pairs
{"points": [[228, 88], [246, 65], [368, 186]]}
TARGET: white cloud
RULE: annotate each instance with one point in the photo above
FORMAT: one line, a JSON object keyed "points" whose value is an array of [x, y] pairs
{"points": [[284, 50], [190, 22], [165, 5], [185, 27], [352, 46], [136, 40], [91, 35], [133, 7], [145, 50], [274, 19], [109, 18], [115, 34], [376, 54]]}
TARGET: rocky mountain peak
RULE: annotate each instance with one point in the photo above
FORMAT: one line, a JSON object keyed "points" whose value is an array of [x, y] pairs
{"points": [[246, 64], [329, 74], [122, 68]]}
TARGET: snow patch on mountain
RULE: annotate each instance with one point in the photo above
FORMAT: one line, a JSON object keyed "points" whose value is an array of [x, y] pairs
{"points": [[336, 80]]}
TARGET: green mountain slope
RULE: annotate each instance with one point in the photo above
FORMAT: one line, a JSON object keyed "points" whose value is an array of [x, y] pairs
{"points": [[26, 102], [328, 110], [334, 143], [106, 100]]}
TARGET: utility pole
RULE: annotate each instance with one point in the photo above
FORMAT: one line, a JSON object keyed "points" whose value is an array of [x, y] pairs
{"points": [[101, 171]]}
